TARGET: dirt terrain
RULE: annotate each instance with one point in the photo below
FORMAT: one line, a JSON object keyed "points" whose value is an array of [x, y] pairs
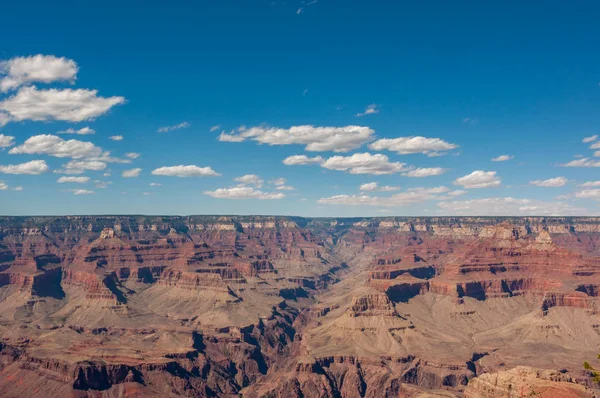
{"points": [[137, 306]]}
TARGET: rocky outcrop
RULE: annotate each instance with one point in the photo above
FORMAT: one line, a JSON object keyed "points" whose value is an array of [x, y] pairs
{"points": [[525, 382]]}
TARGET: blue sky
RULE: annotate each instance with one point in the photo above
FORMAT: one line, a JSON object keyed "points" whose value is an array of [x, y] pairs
{"points": [[438, 88]]}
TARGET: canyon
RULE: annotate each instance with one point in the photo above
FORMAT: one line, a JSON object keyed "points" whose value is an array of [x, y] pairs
{"points": [[261, 306]]}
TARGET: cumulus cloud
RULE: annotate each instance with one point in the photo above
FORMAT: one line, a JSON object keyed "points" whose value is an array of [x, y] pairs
{"points": [[280, 185], [53, 145], [371, 109], [250, 179], [590, 139], [3, 186], [37, 68], [81, 131], [131, 173], [33, 167], [502, 158], [185, 171], [224, 137], [316, 139], [583, 162], [69, 105], [166, 129], [507, 207], [457, 192], [588, 194], [6, 141], [4, 118], [552, 182], [364, 163], [80, 191], [301, 160], [81, 166], [155, 184], [409, 197], [242, 192], [215, 128], [132, 155], [410, 145], [78, 180], [590, 184], [425, 172], [479, 179], [116, 137], [374, 187]]}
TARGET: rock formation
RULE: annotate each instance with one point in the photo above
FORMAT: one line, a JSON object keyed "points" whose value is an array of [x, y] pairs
{"points": [[287, 306]]}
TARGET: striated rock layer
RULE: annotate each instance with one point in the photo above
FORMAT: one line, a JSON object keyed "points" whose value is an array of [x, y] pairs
{"points": [[138, 306]]}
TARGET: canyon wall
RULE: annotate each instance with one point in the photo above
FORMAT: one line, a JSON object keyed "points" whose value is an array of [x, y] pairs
{"points": [[289, 306]]}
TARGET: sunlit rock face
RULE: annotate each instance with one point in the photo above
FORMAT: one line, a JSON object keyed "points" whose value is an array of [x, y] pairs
{"points": [[289, 306]]}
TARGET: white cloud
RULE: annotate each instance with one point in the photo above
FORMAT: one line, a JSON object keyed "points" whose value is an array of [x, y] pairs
{"points": [[224, 137], [583, 162], [250, 179], [33, 167], [131, 173], [280, 185], [155, 184], [80, 191], [595, 145], [425, 172], [588, 194], [132, 155], [3, 186], [590, 184], [4, 118], [241, 192], [552, 182], [185, 171], [69, 105], [457, 192], [409, 197], [37, 68], [507, 207], [371, 109], [116, 137], [336, 139], [285, 188], [79, 180], [6, 141], [81, 131], [166, 129], [590, 139], [215, 128], [54, 145], [502, 158], [18, 189], [364, 163], [410, 145], [479, 179], [374, 187], [80, 166], [102, 184], [301, 160]]}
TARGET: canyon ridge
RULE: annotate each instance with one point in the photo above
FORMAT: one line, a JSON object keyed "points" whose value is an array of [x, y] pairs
{"points": [[260, 306]]}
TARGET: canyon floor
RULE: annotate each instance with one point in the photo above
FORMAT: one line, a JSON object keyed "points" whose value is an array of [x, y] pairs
{"points": [[257, 306]]}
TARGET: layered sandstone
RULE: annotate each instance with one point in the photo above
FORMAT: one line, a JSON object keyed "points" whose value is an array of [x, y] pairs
{"points": [[288, 306]]}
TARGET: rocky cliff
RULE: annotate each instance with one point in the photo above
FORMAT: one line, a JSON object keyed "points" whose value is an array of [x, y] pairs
{"points": [[288, 306]]}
